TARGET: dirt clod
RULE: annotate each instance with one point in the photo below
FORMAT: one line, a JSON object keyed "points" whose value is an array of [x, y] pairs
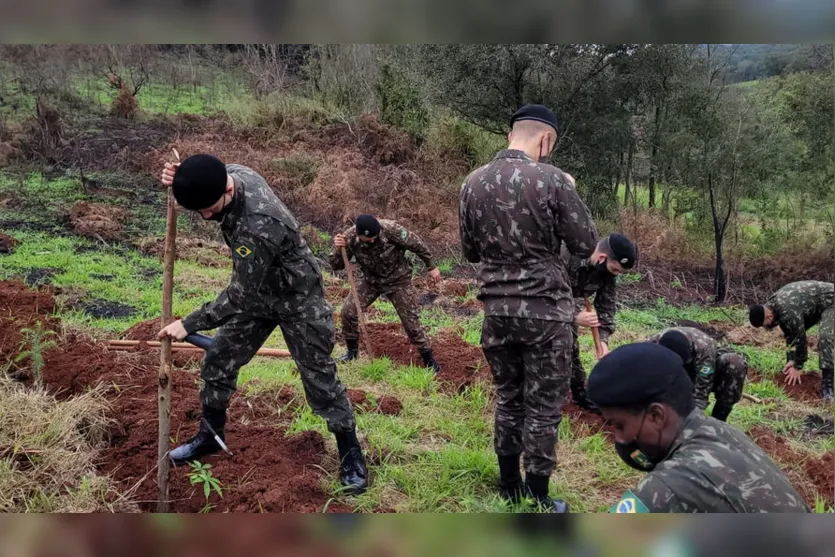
{"points": [[7, 244], [95, 220]]}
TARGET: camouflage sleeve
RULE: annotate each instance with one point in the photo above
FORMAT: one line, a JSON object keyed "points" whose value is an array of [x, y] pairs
{"points": [[575, 224], [655, 492], [605, 303], [253, 257], [412, 242], [468, 244], [794, 332], [335, 259], [703, 362]]}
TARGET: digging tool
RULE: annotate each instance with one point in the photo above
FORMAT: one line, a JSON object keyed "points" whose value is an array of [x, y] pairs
{"points": [[363, 331], [194, 342], [165, 356], [595, 332], [217, 438]]}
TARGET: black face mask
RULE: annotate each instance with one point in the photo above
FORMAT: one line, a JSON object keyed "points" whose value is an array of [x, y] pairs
{"points": [[601, 270], [636, 458], [220, 214]]}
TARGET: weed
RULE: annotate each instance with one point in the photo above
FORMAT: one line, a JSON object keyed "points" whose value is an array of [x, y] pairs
{"points": [[202, 474]]}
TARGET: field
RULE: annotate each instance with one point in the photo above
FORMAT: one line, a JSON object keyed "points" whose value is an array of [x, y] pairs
{"points": [[80, 263]]}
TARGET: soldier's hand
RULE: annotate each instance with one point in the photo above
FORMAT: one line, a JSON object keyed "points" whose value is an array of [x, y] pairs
{"points": [[168, 173], [174, 330], [792, 374], [587, 319], [604, 348], [435, 275], [339, 241]]}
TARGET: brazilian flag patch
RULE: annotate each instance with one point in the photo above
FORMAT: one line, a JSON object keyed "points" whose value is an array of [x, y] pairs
{"points": [[404, 234], [705, 371], [243, 251], [629, 503]]}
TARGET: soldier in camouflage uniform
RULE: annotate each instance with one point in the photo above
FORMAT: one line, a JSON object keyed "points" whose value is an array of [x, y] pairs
{"points": [[379, 248], [795, 308], [595, 275], [516, 212], [695, 464], [276, 282], [711, 368]]}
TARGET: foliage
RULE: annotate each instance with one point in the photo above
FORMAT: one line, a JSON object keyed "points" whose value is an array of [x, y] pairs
{"points": [[34, 345], [201, 474]]}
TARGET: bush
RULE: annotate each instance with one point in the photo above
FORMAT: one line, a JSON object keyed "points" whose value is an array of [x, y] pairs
{"points": [[295, 171], [401, 104], [454, 138]]}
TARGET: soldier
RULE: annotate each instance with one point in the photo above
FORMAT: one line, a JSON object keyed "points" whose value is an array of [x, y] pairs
{"points": [[276, 282], [711, 368], [595, 275], [379, 248], [797, 307], [515, 214], [695, 464]]}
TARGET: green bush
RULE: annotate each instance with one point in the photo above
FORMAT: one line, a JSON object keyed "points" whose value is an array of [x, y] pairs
{"points": [[463, 141], [296, 171], [400, 103]]}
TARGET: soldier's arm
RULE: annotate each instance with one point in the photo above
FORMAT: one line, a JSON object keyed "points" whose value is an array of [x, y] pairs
{"points": [[335, 259], [253, 258], [704, 362], [605, 304], [653, 495], [468, 243], [794, 332], [575, 224], [412, 242]]}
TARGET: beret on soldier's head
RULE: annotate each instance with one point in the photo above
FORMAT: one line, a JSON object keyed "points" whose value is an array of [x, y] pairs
{"points": [[756, 315], [368, 226], [199, 182], [538, 113], [634, 374], [677, 342], [623, 250]]}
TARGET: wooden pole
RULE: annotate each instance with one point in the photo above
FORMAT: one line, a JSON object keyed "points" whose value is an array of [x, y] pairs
{"points": [[164, 389], [185, 347], [598, 346], [363, 331]]}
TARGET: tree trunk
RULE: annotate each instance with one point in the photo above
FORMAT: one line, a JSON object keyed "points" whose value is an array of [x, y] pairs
{"points": [[629, 158], [653, 155], [720, 286]]}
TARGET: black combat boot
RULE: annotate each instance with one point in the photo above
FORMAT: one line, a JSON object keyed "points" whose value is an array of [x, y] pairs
{"points": [[537, 487], [429, 359], [581, 399], [353, 347], [511, 486], [352, 470], [826, 384], [204, 442], [721, 411]]}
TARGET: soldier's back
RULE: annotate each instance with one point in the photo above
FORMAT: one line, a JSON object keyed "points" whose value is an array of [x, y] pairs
{"points": [[806, 298]]}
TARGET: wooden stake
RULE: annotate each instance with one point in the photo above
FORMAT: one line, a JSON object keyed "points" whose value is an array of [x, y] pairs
{"points": [[164, 389], [363, 331], [598, 346], [752, 398], [185, 347]]}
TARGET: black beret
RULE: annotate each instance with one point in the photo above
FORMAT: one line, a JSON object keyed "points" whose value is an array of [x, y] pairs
{"points": [[536, 112], [677, 342], [623, 250], [367, 225], [756, 315], [199, 182], [634, 374]]}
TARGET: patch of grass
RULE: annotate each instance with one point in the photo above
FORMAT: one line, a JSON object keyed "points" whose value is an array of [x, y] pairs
{"points": [[446, 266], [629, 278], [767, 361], [377, 369], [766, 389]]}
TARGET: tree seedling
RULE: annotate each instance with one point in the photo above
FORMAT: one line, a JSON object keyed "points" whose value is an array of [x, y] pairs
{"points": [[35, 340]]}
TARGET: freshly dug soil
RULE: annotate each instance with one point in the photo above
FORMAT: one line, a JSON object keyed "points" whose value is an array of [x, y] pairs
{"points": [[388, 405], [7, 244]]}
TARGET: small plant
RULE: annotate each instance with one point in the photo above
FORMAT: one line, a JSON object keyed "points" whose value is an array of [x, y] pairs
{"points": [[35, 340], [202, 474], [676, 283]]}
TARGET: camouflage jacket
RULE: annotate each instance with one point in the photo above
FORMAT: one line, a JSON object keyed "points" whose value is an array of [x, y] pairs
{"points": [[702, 368], [584, 283], [713, 467], [274, 273], [514, 216], [383, 262], [797, 307]]}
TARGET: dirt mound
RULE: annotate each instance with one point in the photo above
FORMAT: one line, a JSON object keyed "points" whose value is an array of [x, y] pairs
{"points": [[7, 243], [95, 220], [21, 308], [752, 336], [205, 252], [706, 329], [809, 474], [387, 405], [462, 364], [807, 391], [584, 422]]}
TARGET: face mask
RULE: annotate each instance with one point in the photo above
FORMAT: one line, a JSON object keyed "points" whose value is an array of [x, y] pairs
{"points": [[601, 270], [220, 214], [633, 456]]}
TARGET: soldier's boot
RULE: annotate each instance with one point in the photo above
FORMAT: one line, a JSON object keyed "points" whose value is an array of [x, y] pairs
{"points": [[537, 487], [353, 473], [353, 349], [826, 384], [721, 411], [581, 399], [511, 486], [429, 359], [204, 442]]}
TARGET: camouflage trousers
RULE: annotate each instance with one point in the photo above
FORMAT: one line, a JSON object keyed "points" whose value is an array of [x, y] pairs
{"points": [[531, 362], [404, 300], [825, 340], [310, 344], [729, 379], [578, 373]]}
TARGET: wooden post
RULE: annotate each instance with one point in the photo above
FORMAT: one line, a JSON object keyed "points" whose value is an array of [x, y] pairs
{"points": [[595, 333], [363, 331], [164, 389]]}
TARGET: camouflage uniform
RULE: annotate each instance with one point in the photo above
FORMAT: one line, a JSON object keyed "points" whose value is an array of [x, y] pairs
{"points": [[384, 271], [800, 306], [515, 215], [275, 282], [713, 369], [713, 467]]}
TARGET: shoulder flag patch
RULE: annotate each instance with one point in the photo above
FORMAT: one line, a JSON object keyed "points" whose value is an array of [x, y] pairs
{"points": [[705, 371], [243, 251], [404, 233], [629, 503]]}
